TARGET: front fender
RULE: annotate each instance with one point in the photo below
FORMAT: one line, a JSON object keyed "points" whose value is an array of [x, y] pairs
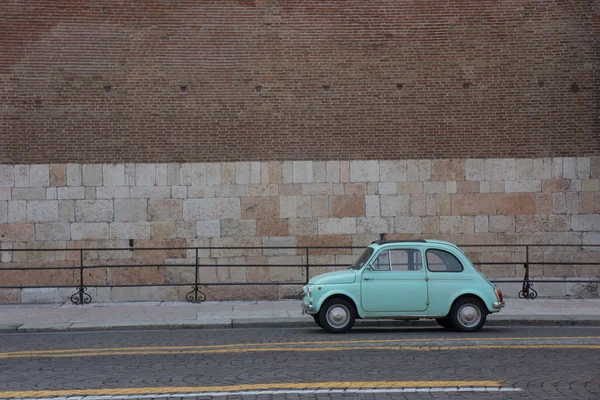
{"points": [[325, 293]]}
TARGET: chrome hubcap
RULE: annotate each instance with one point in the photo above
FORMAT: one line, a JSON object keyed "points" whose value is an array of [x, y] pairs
{"points": [[469, 315], [338, 316]]}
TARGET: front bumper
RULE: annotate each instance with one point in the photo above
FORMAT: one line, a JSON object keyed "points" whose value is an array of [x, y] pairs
{"points": [[307, 308], [498, 304]]}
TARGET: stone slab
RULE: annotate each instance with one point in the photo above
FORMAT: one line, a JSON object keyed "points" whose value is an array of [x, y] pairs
{"points": [[130, 210], [328, 226], [112, 174], [448, 170], [92, 175], [42, 211], [516, 203], [58, 174], [165, 210], [212, 209], [319, 171], [94, 210], [71, 193], [40, 295], [7, 176], [145, 174], [347, 206], [17, 232], [39, 175], [473, 204], [302, 171], [364, 171], [150, 192], [260, 207]]}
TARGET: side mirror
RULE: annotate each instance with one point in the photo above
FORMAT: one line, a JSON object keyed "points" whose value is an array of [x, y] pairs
{"points": [[369, 268]]}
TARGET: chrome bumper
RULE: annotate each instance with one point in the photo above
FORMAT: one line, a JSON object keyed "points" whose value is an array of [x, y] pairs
{"points": [[498, 304], [308, 308]]}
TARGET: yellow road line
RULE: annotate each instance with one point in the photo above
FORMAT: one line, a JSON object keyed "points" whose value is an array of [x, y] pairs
{"points": [[307, 349], [230, 345], [249, 387]]}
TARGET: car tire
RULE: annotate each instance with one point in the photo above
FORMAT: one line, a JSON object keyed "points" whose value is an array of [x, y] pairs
{"points": [[317, 320], [444, 322], [337, 315], [468, 314]]}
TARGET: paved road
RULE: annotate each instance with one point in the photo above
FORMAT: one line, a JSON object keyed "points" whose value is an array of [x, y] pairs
{"points": [[498, 362]]}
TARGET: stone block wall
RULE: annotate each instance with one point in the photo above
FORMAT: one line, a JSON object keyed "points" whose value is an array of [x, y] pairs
{"points": [[292, 203]]}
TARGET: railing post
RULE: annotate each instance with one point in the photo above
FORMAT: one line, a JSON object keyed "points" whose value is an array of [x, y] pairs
{"points": [[195, 295], [81, 297], [81, 276], [306, 272], [196, 277], [527, 291], [307, 265]]}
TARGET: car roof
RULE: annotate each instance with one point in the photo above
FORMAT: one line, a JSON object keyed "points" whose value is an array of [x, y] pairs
{"points": [[378, 243]]}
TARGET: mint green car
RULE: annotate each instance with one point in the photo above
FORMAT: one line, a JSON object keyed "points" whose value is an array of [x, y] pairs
{"points": [[404, 280]]}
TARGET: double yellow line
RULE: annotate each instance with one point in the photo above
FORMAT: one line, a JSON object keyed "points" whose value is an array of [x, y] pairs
{"points": [[315, 346]]}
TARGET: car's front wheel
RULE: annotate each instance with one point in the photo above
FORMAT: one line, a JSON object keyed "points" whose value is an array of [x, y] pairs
{"points": [[317, 320], [468, 314], [337, 315]]}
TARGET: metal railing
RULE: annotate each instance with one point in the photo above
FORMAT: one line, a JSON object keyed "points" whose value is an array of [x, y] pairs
{"points": [[196, 295], [527, 291]]}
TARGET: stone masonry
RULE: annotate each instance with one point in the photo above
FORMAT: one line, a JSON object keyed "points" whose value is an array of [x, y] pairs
{"points": [[291, 203]]}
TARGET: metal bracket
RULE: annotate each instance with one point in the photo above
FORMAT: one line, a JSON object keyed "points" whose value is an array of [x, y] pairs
{"points": [[195, 295], [81, 297], [527, 291]]}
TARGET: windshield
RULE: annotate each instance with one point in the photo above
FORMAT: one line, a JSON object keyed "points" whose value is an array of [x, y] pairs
{"points": [[363, 259]]}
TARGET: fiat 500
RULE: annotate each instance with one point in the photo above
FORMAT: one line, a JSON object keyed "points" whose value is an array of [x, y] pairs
{"points": [[404, 280]]}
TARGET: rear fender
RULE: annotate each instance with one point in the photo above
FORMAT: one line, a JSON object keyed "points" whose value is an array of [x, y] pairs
{"points": [[488, 299]]}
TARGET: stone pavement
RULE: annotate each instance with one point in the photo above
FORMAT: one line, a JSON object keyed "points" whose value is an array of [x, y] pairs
{"points": [[238, 314]]}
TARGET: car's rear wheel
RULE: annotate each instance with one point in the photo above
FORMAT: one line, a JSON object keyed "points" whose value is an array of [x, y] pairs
{"points": [[337, 315], [444, 322], [468, 314]]}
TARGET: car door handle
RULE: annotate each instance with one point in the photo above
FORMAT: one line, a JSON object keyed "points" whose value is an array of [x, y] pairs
{"points": [[367, 279]]}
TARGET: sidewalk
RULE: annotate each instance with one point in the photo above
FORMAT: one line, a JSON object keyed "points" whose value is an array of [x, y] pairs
{"points": [[245, 314]]}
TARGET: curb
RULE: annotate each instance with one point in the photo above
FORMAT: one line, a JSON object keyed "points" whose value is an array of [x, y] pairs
{"points": [[287, 323]]}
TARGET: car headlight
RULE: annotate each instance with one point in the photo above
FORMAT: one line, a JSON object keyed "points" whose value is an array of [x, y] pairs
{"points": [[307, 290]]}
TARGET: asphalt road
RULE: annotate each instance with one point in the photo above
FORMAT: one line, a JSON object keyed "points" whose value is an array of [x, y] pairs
{"points": [[498, 362]]}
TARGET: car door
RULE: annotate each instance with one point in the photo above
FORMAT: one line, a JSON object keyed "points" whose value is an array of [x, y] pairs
{"points": [[447, 277], [395, 282]]}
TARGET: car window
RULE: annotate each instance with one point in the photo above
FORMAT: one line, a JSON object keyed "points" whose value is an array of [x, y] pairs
{"points": [[405, 259], [398, 260], [382, 262], [442, 261]]}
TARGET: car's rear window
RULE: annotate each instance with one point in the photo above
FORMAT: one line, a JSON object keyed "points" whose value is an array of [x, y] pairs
{"points": [[442, 261]]}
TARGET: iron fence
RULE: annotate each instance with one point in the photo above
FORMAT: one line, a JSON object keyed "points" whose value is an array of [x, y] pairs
{"points": [[196, 295]]}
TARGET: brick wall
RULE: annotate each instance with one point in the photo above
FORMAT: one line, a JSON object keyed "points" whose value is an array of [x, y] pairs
{"points": [[291, 203], [189, 81]]}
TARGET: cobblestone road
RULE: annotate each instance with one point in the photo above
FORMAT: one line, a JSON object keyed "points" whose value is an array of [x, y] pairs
{"points": [[548, 363]]}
